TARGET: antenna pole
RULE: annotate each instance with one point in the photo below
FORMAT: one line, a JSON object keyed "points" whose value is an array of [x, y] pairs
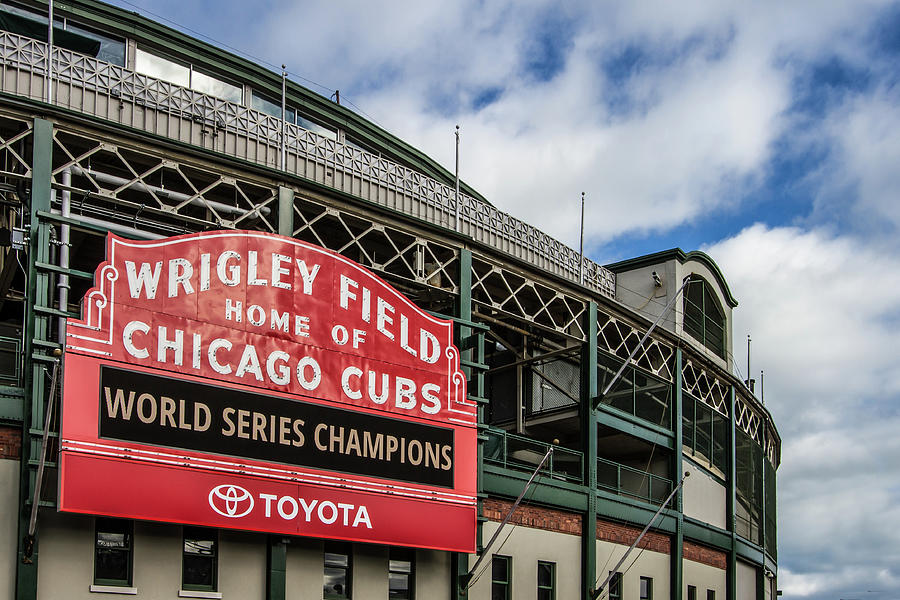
{"points": [[581, 245], [456, 222], [748, 361], [282, 157]]}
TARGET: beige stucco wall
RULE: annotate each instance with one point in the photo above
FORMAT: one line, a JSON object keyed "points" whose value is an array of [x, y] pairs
{"points": [[703, 577], [527, 546], [9, 505], [704, 497], [633, 288], [66, 555], [639, 564], [746, 581]]}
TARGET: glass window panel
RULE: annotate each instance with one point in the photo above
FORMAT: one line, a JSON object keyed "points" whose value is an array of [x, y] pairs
{"points": [[270, 107], [688, 421], [545, 574], [398, 585], [646, 588], [652, 400], [500, 576], [207, 84], [316, 128], [161, 68], [112, 50], [112, 551], [703, 444]]}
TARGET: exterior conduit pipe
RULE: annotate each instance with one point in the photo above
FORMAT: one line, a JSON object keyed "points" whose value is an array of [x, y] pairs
{"points": [[125, 230], [64, 237], [140, 186]]}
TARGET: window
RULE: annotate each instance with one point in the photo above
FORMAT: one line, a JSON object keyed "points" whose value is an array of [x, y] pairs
{"points": [[615, 587], [546, 581], [199, 568], [272, 107], [705, 434], [703, 319], [710, 594], [635, 393], [501, 577], [401, 574], [112, 552], [692, 592], [337, 571], [26, 21], [646, 588], [186, 76]]}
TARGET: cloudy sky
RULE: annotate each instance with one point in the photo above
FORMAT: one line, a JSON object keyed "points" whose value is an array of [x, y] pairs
{"points": [[766, 134]]}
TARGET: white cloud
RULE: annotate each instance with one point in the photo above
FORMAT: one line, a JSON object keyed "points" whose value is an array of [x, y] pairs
{"points": [[822, 312]]}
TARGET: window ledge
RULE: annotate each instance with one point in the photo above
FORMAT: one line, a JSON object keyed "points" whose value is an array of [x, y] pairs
{"points": [[113, 589], [198, 594]]}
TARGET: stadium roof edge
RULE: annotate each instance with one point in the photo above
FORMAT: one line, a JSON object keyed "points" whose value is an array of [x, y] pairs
{"points": [[682, 257], [162, 36]]}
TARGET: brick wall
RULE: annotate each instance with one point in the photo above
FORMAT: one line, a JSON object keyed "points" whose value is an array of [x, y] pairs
{"points": [[536, 517], [617, 533], [10, 442], [705, 555]]}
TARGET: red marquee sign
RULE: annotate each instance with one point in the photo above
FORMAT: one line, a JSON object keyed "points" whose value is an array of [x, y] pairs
{"points": [[252, 381]]}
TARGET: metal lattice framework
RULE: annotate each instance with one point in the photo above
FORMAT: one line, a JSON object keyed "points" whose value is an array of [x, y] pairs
{"points": [[378, 246], [154, 184], [618, 337], [748, 420], [501, 289], [14, 136], [114, 93], [703, 385]]}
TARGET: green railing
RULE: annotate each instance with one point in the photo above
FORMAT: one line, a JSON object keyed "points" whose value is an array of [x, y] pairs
{"points": [[524, 454], [634, 483], [10, 354]]}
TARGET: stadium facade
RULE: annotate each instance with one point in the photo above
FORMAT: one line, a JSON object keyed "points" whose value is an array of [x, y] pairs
{"points": [[395, 358]]}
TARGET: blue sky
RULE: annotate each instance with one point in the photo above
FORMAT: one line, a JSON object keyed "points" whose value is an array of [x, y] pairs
{"points": [[765, 133]]}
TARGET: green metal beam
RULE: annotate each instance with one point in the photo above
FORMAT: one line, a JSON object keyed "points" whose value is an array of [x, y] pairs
{"points": [[36, 327], [459, 564], [285, 211], [676, 568], [276, 568], [731, 502], [589, 441]]}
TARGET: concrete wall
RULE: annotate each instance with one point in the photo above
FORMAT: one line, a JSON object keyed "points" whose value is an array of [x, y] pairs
{"points": [[633, 288], [746, 581], [66, 563], [9, 505], [639, 564], [66, 560], [705, 498], [703, 577], [527, 546]]}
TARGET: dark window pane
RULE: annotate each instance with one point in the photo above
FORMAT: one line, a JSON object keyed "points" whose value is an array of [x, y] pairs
{"points": [[498, 568], [545, 574], [335, 581], [198, 570], [111, 565], [498, 591], [398, 585], [545, 594]]}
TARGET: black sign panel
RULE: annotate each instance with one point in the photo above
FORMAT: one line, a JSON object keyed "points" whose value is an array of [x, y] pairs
{"points": [[164, 411]]}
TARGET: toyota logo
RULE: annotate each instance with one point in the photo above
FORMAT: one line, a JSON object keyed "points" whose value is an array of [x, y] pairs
{"points": [[230, 500]]}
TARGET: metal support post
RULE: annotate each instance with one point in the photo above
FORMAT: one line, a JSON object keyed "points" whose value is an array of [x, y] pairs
{"points": [[37, 328], [285, 211], [731, 501], [276, 568], [676, 565], [460, 561], [589, 441]]}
